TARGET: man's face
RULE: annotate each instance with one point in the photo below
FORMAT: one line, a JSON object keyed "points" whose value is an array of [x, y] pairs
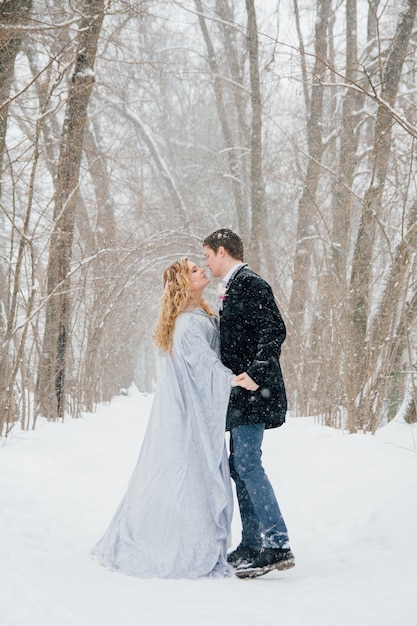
{"points": [[214, 261]]}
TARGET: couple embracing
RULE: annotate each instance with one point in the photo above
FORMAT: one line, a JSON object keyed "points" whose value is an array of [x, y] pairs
{"points": [[174, 520]]}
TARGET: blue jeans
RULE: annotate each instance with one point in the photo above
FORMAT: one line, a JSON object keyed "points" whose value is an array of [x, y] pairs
{"points": [[262, 523]]}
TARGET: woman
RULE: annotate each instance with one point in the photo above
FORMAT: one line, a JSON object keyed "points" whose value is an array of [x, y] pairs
{"points": [[175, 517]]}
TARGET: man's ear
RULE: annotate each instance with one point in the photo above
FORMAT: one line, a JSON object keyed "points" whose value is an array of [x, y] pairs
{"points": [[221, 251]]}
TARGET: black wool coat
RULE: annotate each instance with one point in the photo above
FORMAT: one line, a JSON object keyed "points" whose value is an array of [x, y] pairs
{"points": [[251, 334]]}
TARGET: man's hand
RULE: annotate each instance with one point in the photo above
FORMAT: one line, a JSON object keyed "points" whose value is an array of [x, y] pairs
{"points": [[245, 381]]}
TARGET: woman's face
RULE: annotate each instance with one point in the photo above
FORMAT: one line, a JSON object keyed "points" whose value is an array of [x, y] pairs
{"points": [[198, 279]]}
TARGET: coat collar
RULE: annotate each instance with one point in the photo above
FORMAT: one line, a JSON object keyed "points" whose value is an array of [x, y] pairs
{"points": [[232, 274]]}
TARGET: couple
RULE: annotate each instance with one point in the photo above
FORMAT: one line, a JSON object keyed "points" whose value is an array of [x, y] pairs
{"points": [[174, 520]]}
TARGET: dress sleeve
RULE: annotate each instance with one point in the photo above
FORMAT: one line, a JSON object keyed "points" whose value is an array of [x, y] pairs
{"points": [[208, 381], [201, 353]]}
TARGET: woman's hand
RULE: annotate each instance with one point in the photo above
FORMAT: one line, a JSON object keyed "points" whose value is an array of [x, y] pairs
{"points": [[245, 381]]}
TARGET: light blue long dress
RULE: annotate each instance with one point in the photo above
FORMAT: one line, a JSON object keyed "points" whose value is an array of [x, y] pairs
{"points": [[175, 517]]}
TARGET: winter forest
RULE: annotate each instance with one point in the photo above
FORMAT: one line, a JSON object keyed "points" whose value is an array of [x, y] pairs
{"points": [[131, 129]]}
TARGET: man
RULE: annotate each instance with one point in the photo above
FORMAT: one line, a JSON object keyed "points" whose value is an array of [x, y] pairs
{"points": [[251, 334]]}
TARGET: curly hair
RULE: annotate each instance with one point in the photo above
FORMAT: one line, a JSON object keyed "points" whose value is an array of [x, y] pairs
{"points": [[175, 299]]}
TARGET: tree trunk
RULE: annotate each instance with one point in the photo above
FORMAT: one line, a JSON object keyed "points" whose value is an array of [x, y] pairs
{"points": [[389, 329], [13, 15], [103, 266], [342, 194], [51, 384], [307, 204], [257, 185], [301, 385], [230, 143], [362, 259], [333, 304]]}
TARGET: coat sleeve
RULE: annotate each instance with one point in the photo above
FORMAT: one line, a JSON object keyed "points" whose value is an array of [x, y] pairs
{"points": [[270, 332]]}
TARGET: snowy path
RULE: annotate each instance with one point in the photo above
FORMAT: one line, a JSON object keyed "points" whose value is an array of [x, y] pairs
{"points": [[350, 503]]}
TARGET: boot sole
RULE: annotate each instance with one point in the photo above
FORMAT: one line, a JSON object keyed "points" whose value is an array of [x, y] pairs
{"points": [[249, 572]]}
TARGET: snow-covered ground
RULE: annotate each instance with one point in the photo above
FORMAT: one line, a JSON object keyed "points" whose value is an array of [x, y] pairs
{"points": [[350, 503]]}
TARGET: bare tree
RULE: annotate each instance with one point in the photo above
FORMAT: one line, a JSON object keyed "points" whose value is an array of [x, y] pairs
{"points": [[306, 208], [231, 146], [306, 229], [257, 184], [14, 15], [199, 123], [51, 391], [362, 259]]}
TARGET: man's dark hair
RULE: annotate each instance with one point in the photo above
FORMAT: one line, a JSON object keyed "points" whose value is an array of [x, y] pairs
{"points": [[228, 239]]}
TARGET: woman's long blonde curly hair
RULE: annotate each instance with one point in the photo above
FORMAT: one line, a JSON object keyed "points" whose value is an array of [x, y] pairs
{"points": [[176, 298]]}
